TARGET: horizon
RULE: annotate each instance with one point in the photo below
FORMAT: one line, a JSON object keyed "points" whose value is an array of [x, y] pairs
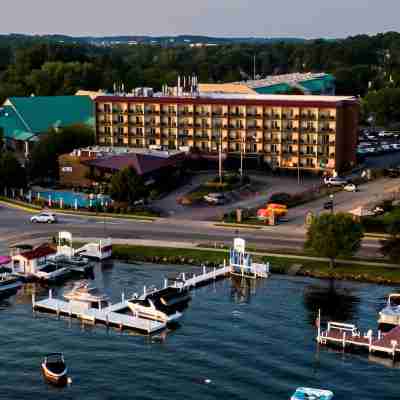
{"points": [[225, 19]]}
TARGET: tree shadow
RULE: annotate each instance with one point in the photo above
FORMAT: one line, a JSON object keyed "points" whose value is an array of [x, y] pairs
{"points": [[336, 302]]}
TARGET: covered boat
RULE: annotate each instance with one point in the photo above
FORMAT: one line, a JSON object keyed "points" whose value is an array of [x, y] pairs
{"points": [[9, 285], [54, 369], [304, 393]]}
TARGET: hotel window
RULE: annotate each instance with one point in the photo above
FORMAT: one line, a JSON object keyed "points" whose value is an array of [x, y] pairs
{"points": [[107, 107], [120, 130], [120, 118], [107, 129]]}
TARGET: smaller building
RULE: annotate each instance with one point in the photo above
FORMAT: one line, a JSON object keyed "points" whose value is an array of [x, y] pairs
{"points": [[29, 262], [85, 168]]}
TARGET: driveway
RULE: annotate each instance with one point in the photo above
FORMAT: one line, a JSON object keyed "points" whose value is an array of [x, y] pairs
{"points": [[266, 185]]}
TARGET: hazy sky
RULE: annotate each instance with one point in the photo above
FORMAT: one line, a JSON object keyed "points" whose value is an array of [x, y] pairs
{"points": [[305, 18]]}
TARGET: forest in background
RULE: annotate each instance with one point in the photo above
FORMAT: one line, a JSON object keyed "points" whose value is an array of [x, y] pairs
{"points": [[366, 66]]}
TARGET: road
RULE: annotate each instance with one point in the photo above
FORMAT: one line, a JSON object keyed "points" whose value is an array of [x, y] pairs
{"points": [[16, 228]]}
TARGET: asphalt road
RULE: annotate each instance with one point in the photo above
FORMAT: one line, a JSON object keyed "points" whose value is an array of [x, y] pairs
{"points": [[16, 228]]}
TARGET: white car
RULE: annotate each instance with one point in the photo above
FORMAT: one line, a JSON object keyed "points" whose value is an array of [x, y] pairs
{"points": [[350, 187], [215, 198], [45, 217], [335, 181]]}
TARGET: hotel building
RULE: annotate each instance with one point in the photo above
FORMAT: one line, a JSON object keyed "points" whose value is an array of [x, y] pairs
{"points": [[286, 131]]}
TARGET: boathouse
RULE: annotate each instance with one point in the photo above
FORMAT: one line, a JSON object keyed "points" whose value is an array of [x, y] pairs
{"points": [[28, 262]]}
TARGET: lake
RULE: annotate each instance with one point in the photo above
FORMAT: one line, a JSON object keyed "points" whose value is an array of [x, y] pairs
{"points": [[248, 341]]}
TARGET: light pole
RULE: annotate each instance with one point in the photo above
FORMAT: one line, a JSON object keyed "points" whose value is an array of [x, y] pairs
{"points": [[331, 197], [220, 155], [242, 150]]}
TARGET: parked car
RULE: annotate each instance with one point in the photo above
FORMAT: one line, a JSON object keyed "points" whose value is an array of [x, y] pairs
{"points": [[44, 217], [215, 198], [350, 187], [335, 181]]}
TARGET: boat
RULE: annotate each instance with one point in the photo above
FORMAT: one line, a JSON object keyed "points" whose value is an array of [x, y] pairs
{"points": [[74, 263], [54, 369], [9, 285], [164, 305], [390, 314], [303, 393], [99, 251], [52, 272], [83, 296]]}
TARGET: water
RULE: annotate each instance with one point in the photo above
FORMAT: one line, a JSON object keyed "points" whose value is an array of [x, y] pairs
{"points": [[235, 341], [69, 198]]}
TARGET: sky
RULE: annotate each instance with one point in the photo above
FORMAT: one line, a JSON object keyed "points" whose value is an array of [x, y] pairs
{"points": [[263, 18]]}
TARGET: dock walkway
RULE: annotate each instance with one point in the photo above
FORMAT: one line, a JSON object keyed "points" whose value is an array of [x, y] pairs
{"points": [[348, 336]]}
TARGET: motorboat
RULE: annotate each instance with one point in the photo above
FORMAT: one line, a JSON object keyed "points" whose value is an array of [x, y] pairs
{"points": [[165, 305], [74, 263], [52, 272], [54, 369], [9, 285], [83, 296], [390, 314], [303, 393]]}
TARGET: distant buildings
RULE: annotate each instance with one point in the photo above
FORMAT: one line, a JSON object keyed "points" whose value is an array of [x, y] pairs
{"points": [[296, 83], [24, 119], [306, 132]]}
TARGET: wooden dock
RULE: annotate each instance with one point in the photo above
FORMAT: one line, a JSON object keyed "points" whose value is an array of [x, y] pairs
{"points": [[347, 336], [185, 281], [107, 316]]}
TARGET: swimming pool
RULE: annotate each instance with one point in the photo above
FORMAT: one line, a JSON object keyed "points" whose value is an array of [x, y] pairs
{"points": [[71, 199]]}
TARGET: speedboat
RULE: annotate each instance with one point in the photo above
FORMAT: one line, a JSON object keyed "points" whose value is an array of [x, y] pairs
{"points": [[54, 369], [304, 393], [164, 305], [9, 285], [84, 296], [74, 263], [390, 314], [52, 272]]}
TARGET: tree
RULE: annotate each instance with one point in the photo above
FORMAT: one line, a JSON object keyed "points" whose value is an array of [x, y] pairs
{"points": [[44, 157], [127, 185], [334, 235], [2, 141], [12, 173], [390, 247]]}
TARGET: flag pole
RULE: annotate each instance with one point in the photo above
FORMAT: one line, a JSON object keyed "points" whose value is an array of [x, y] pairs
{"points": [[319, 324]]}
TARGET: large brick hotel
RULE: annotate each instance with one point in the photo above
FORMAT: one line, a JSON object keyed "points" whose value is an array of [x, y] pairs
{"points": [[286, 131]]}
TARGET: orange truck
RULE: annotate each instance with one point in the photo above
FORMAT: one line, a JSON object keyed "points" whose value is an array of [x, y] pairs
{"points": [[280, 210]]}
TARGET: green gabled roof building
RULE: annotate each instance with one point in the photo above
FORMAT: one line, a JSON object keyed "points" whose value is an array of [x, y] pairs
{"points": [[24, 119]]}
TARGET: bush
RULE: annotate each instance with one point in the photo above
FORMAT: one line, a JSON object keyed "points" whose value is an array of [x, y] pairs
{"points": [[281, 198]]}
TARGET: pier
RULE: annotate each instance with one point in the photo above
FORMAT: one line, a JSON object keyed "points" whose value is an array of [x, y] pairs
{"points": [[108, 316], [347, 336]]}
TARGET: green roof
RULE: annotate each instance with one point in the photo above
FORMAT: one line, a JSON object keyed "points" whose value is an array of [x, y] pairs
{"points": [[273, 89], [41, 113], [12, 124]]}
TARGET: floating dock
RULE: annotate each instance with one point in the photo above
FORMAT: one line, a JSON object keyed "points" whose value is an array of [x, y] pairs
{"points": [[108, 316], [347, 336]]}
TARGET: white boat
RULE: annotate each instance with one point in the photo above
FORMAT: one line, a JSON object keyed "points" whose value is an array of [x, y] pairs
{"points": [[52, 272], [84, 296], [390, 314], [304, 393], [9, 285], [100, 250], [164, 305]]}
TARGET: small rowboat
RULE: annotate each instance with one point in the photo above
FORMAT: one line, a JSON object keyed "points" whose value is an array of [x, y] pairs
{"points": [[54, 369]]}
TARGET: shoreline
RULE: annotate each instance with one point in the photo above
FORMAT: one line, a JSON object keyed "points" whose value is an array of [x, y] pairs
{"points": [[279, 265]]}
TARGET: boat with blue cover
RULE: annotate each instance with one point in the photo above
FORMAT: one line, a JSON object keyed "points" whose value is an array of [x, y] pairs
{"points": [[304, 393]]}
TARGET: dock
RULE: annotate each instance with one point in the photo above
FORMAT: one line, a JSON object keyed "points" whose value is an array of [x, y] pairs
{"points": [[348, 336], [108, 316]]}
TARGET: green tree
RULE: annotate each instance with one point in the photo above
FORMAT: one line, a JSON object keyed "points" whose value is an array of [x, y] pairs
{"points": [[127, 186], [390, 247], [44, 156], [2, 140], [334, 235], [12, 173]]}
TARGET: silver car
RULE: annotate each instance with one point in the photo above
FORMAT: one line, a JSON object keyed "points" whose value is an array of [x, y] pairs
{"points": [[44, 217]]}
